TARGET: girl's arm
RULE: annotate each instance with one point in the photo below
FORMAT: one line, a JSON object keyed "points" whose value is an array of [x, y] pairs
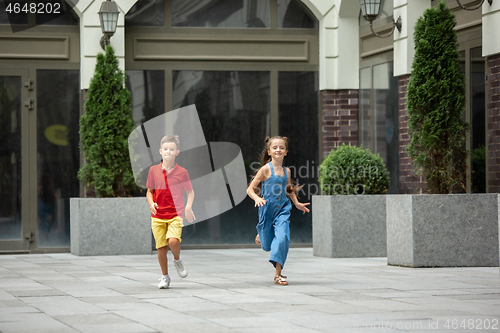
{"points": [[152, 205], [189, 204], [293, 197], [259, 177]]}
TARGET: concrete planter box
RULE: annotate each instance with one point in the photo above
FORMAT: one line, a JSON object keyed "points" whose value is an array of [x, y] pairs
{"points": [[110, 226], [442, 230], [349, 226]]}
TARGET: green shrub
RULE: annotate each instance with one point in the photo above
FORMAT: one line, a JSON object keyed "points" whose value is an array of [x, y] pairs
{"points": [[104, 130], [435, 103], [353, 170]]}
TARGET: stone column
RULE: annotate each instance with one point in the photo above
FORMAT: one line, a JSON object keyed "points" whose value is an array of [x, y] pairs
{"points": [[338, 70], [90, 35]]}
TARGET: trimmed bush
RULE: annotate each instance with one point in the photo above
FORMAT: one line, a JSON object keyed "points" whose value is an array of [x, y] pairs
{"points": [[353, 170], [435, 103], [104, 130]]}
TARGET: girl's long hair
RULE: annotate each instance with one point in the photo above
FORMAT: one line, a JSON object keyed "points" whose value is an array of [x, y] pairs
{"points": [[265, 158]]}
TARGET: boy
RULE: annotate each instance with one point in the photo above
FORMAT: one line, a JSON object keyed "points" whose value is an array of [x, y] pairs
{"points": [[166, 184]]}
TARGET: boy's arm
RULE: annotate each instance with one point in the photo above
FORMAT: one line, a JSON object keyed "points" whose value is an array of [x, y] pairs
{"points": [[152, 205], [189, 207]]}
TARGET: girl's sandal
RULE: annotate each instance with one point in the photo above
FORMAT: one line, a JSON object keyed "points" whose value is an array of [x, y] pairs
{"points": [[280, 280]]}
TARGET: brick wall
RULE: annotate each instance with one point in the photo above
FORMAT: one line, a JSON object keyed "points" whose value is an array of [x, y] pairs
{"points": [[493, 121], [339, 122], [409, 183]]}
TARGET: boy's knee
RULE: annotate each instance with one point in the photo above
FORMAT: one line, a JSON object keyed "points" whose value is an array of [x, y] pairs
{"points": [[173, 241]]}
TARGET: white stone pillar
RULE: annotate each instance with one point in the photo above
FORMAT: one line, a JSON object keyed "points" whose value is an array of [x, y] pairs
{"points": [[90, 35], [338, 42], [491, 26], [404, 48]]}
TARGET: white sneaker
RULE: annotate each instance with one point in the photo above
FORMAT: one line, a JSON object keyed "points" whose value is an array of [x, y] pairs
{"points": [[164, 282], [180, 268]]}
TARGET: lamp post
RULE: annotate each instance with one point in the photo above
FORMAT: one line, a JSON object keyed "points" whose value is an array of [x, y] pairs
{"points": [[370, 10], [108, 15]]}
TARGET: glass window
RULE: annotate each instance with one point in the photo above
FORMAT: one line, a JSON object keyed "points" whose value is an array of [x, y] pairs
{"points": [[221, 13], [12, 17], [293, 14], [10, 157], [53, 13], [298, 120], [146, 13], [67, 16], [58, 155], [379, 117], [148, 94], [233, 106], [386, 114], [365, 123], [478, 135]]}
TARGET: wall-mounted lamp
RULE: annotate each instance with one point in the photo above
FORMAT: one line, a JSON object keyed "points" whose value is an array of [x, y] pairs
{"points": [[370, 10], [474, 8], [108, 15]]}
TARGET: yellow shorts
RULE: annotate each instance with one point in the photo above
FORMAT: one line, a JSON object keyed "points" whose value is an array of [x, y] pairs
{"points": [[163, 229]]}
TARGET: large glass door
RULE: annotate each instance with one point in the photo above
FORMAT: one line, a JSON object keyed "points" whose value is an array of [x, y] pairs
{"points": [[16, 101]]}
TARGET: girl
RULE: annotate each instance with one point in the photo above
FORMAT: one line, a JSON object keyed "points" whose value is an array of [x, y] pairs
{"points": [[274, 206]]}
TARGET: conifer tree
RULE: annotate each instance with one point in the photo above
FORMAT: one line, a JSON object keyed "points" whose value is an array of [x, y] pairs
{"points": [[104, 130], [435, 103]]}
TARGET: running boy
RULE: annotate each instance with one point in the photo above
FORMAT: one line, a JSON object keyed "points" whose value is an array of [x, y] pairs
{"points": [[166, 184]]}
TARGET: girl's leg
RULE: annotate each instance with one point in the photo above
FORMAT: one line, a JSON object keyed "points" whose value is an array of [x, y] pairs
{"points": [[280, 243], [162, 259], [175, 247], [278, 278]]}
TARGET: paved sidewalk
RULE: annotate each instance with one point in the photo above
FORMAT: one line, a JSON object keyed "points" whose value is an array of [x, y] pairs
{"points": [[232, 291]]}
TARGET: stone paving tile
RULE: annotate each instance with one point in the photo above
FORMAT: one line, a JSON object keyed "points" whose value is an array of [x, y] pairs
{"points": [[61, 305], [32, 322], [105, 323], [232, 291]]}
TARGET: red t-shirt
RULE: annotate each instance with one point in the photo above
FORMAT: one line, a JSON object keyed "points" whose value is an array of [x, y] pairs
{"points": [[168, 190]]}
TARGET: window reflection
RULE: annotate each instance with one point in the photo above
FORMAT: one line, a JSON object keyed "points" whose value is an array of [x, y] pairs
{"points": [[298, 120], [58, 156], [146, 13], [379, 117], [478, 135], [233, 106], [10, 157], [221, 13], [293, 14], [148, 94], [365, 123]]}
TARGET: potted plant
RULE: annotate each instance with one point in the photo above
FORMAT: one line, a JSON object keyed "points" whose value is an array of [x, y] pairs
{"points": [[443, 228], [349, 220], [106, 221]]}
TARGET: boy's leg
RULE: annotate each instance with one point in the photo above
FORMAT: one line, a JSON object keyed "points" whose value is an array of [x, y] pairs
{"points": [[159, 229], [162, 259], [175, 247], [174, 234]]}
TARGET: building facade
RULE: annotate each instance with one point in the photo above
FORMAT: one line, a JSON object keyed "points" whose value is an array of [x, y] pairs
{"points": [[309, 70]]}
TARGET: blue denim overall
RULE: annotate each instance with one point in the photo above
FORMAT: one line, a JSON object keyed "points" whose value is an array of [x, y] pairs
{"points": [[274, 218]]}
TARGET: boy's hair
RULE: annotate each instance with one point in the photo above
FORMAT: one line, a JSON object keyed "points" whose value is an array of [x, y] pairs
{"points": [[170, 138]]}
